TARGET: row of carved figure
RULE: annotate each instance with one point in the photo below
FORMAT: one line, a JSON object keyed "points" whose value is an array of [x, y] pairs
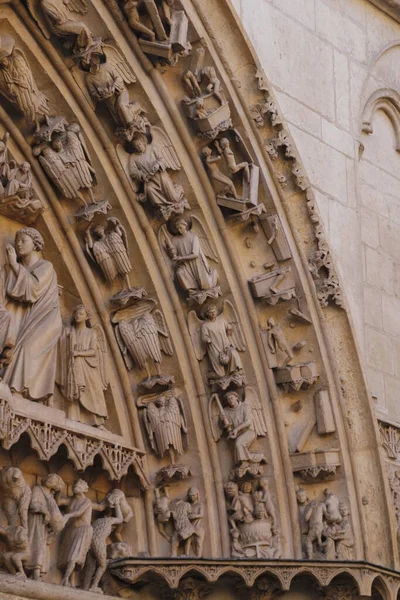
{"points": [[38, 517]]}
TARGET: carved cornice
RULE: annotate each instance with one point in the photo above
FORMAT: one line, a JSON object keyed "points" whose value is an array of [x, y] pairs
{"points": [[172, 572]]}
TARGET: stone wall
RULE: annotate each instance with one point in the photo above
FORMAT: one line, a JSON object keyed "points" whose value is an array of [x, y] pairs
{"points": [[324, 59]]}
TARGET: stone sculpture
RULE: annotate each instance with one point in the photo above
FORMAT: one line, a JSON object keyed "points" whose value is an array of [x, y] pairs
{"points": [[166, 425], [15, 497], [77, 535], [107, 75], [277, 345], [45, 522], [340, 540], [142, 336], [31, 292], [220, 336], [243, 421], [189, 249], [148, 168], [82, 369], [163, 29], [61, 150], [62, 18], [252, 520], [17, 83], [108, 247], [17, 553], [186, 519]]}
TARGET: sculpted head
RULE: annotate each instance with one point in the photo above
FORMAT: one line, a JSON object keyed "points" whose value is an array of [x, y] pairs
{"points": [[271, 322], [80, 314], [344, 509], [53, 482], [264, 483], [260, 512], [193, 495], [246, 487], [12, 477], [211, 312], [80, 487], [161, 401], [231, 489], [28, 240], [180, 225], [206, 151], [57, 145], [224, 142], [139, 144], [301, 496], [25, 167], [232, 399], [99, 231]]}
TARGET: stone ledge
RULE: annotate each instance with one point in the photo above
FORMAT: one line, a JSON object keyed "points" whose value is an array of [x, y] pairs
{"points": [[390, 7], [38, 590]]}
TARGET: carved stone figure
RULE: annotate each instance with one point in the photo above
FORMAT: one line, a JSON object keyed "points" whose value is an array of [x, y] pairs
{"points": [[103, 528], [62, 19], [77, 535], [17, 553], [63, 154], [166, 425], [142, 335], [220, 336], [107, 75], [189, 249], [277, 345], [31, 293], [302, 501], [340, 541], [108, 247], [17, 83], [252, 520], [314, 515], [211, 160], [186, 518], [82, 369], [148, 169], [163, 29], [15, 497], [45, 522], [243, 421]]}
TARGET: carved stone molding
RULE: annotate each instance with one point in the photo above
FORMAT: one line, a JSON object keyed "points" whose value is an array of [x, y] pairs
{"points": [[82, 448], [390, 438], [388, 101]]}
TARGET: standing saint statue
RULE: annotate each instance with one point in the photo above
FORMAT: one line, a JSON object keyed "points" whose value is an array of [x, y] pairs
{"points": [[148, 169], [17, 83], [189, 249], [82, 369], [31, 297]]}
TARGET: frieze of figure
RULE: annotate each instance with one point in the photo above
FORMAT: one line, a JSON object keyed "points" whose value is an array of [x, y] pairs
{"points": [[325, 526], [252, 519], [161, 26], [17, 83], [240, 416], [151, 157], [189, 249], [143, 337], [180, 522], [62, 152], [82, 369], [219, 335], [206, 104]]}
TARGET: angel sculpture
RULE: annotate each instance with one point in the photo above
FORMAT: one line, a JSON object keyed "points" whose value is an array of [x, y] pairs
{"points": [[189, 249], [107, 75], [243, 422], [66, 161], [61, 19], [148, 169], [109, 249], [220, 336], [82, 369], [17, 83], [166, 425], [142, 335]]}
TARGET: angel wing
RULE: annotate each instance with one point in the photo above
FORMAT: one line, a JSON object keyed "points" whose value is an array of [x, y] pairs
{"points": [[236, 335], [195, 325], [215, 417], [80, 78], [252, 399], [102, 354], [118, 62], [206, 244], [181, 408], [163, 145], [34, 9], [124, 350], [165, 342], [75, 144], [151, 419], [164, 240], [78, 6]]}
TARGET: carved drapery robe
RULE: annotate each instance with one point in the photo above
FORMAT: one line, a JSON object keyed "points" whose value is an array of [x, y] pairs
{"points": [[44, 522], [195, 274], [80, 377], [34, 304], [215, 335], [77, 535], [107, 86], [237, 416]]}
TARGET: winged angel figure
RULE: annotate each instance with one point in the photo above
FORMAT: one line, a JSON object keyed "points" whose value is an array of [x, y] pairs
{"points": [[82, 369], [221, 337], [188, 249], [148, 169], [62, 18], [142, 335], [65, 158], [243, 421], [17, 83]]}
